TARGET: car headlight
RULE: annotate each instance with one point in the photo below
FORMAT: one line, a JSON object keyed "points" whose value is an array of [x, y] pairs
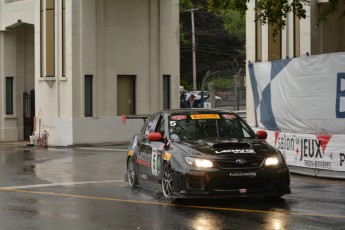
{"points": [[199, 163], [272, 161]]}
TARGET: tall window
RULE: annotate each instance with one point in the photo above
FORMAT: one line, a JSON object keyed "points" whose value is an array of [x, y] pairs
{"points": [[296, 37], [274, 44], [166, 91], [63, 39], [47, 38], [88, 96], [258, 41], [9, 95]]}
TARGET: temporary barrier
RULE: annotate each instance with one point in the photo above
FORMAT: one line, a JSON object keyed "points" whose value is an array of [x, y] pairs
{"points": [[300, 95], [300, 102], [316, 152]]}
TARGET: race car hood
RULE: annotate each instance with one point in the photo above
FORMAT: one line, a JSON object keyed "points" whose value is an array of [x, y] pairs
{"points": [[226, 148]]}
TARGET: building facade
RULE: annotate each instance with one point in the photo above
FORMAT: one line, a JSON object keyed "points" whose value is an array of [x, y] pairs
{"points": [[301, 37], [71, 68]]}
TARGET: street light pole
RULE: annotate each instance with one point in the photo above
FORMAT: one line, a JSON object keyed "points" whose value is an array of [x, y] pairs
{"points": [[193, 46], [193, 50]]}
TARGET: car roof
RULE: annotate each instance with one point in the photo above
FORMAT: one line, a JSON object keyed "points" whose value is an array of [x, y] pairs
{"points": [[199, 110]]}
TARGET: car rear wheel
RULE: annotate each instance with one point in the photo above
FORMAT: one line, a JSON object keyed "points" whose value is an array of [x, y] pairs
{"points": [[132, 176], [167, 182]]}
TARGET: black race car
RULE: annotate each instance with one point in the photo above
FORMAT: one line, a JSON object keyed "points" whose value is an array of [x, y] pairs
{"points": [[205, 153]]}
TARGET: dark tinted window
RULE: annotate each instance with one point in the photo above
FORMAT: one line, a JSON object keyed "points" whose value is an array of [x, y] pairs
{"points": [[88, 96], [204, 126], [151, 124], [9, 95]]}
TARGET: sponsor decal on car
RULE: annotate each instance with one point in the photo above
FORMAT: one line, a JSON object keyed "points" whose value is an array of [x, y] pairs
{"points": [[229, 116], [144, 159], [144, 163], [143, 176], [342, 158], [154, 162], [130, 152], [249, 151], [204, 116], [242, 190], [178, 117], [242, 174], [167, 156]]}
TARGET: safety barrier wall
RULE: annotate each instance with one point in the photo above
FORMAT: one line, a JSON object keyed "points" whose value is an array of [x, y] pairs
{"points": [[300, 102], [320, 155]]}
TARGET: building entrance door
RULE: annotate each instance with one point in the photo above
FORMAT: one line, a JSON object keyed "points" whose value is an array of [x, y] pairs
{"points": [[125, 94], [28, 113]]}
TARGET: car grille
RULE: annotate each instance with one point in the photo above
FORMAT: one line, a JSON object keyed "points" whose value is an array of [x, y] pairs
{"points": [[240, 163], [243, 182]]}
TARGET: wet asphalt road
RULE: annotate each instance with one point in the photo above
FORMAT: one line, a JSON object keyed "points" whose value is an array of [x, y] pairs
{"points": [[83, 188]]}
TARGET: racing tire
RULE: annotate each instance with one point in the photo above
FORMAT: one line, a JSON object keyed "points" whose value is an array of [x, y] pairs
{"points": [[131, 174], [167, 182]]}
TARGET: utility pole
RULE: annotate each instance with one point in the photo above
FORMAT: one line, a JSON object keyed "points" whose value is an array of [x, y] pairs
{"points": [[193, 46]]}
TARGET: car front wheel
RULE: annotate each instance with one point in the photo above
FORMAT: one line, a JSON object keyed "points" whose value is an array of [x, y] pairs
{"points": [[167, 182], [132, 177]]}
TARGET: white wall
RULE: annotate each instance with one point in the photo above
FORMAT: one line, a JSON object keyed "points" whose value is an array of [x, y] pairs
{"points": [[170, 47], [10, 129], [250, 56], [107, 38], [10, 13], [104, 38], [95, 130], [16, 61]]}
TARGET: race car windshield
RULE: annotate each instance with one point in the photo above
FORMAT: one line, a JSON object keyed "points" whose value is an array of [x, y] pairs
{"points": [[207, 126]]}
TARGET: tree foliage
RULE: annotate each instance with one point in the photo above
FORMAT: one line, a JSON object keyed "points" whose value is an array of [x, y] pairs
{"points": [[235, 23], [216, 48], [274, 12], [223, 83], [330, 9]]}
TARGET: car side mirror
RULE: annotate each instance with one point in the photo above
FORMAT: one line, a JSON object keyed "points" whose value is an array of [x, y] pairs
{"points": [[155, 136], [262, 134]]}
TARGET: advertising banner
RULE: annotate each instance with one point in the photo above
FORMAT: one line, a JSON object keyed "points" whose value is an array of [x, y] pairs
{"points": [[310, 150], [301, 95]]}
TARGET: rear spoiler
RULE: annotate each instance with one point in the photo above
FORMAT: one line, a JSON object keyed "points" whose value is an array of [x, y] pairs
{"points": [[131, 116]]}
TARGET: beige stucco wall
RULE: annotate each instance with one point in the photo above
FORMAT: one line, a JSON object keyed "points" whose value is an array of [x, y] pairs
{"points": [[112, 38], [250, 57], [14, 11], [329, 36], [104, 38]]}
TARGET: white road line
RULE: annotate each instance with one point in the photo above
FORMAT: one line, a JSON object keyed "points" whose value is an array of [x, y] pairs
{"points": [[61, 184], [102, 149]]}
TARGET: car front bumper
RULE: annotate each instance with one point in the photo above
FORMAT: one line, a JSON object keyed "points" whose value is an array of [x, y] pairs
{"points": [[228, 183]]}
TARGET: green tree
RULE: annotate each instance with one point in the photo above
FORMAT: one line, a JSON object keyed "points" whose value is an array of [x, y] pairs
{"points": [[274, 12], [235, 23], [216, 48], [183, 5], [223, 83]]}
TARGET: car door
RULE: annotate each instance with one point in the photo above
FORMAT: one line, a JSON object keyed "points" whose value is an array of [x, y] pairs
{"points": [[144, 154], [157, 149]]}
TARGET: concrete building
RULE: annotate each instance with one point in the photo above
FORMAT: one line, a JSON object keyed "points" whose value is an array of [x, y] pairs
{"points": [[300, 37], [78, 65]]}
